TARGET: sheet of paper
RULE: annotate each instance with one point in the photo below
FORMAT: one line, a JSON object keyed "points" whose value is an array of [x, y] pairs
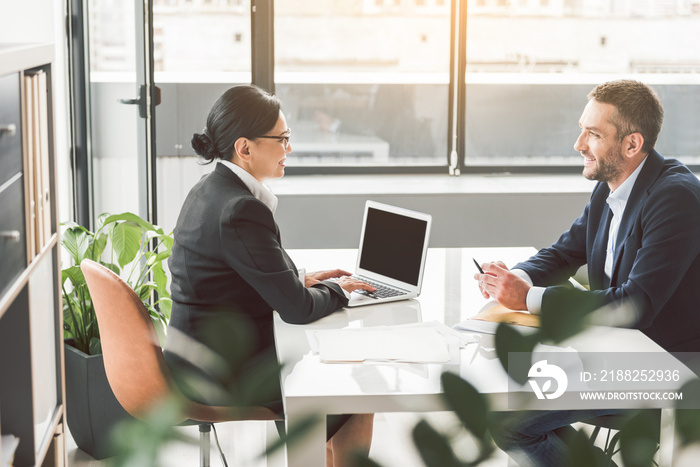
{"points": [[473, 325], [399, 344], [9, 444]]}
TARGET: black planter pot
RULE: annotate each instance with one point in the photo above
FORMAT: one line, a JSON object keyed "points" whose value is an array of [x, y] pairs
{"points": [[92, 410]]}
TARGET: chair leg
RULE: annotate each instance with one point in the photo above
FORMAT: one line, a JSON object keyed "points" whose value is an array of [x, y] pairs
{"points": [[281, 429], [218, 446], [273, 434], [204, 444]]}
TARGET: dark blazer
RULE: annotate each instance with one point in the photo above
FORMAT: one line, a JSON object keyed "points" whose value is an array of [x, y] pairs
{"points": [[228, 259], [657, 258]]}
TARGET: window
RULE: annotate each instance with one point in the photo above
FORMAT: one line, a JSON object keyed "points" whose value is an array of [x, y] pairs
{"points": [[367, 85], [363, 83], [206, 48], [526, 91], [199, 49], [197, 41]]}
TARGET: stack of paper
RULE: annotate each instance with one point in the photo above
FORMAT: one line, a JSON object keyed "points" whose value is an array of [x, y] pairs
{"points": [[492, 314], [396, 344]]}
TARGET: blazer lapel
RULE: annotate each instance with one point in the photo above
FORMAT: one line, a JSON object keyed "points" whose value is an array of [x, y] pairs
{"points": [[646, 178]]}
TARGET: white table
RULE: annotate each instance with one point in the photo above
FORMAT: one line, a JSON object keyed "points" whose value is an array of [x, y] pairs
{"points": [[449, 295]]}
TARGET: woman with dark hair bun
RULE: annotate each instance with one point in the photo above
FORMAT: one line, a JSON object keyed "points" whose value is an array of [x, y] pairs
{"points": [[228, 262]]}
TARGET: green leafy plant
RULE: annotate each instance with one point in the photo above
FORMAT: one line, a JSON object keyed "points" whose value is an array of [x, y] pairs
{"points": [[136, 252]]}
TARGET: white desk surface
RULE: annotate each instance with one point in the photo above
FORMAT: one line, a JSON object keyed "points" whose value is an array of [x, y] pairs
{"points": [[449, 295]]}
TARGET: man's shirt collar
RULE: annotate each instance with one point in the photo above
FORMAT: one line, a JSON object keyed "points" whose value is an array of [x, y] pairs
{"points": [[617, 200]]}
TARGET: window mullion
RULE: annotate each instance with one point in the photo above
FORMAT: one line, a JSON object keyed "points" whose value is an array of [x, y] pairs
{"points": [[262, 44], [457, 104]]}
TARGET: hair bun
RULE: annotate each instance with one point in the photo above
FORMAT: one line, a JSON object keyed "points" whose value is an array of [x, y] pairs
{"points": [[204, 146]]}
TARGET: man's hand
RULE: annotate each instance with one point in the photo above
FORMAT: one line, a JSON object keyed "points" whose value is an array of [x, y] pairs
{"points": [[506, 288]]}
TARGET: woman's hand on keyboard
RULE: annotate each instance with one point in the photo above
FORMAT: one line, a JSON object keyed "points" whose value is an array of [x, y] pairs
{"points": [[350, 284], [312, 278], [328, 274], [341, 277]]}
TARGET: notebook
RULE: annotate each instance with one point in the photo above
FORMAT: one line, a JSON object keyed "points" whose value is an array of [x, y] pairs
{"points": [[391, 257]]}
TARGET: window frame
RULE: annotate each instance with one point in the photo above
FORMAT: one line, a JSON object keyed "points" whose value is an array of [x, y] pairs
{"points": [[262, 50], [263, 65]]}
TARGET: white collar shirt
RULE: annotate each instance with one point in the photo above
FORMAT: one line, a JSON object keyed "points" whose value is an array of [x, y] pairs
{"points": [[617, 201], [260, 191]]}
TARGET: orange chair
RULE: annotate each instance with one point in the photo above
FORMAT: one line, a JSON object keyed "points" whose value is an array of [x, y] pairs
{"points": [[134, 363]]}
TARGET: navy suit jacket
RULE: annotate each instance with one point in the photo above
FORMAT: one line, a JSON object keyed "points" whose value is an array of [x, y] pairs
{"points": [[657, 255], [227, 259]]}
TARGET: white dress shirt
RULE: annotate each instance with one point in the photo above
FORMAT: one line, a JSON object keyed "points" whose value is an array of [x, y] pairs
{"points": [[260, 191], [617, 200]]}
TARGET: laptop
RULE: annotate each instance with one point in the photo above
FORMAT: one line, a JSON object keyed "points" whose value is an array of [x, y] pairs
{"points": [[391, 257]]}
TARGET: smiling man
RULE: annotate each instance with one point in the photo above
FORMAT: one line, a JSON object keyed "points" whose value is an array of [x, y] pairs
{"points": [[639, 236], [601, 145]]}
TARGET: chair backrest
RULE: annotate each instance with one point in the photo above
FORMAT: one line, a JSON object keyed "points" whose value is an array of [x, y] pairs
{"points": [[133, 359]]}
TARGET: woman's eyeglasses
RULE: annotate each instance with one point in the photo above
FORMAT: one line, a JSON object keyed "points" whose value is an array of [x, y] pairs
{"points": [[284, 139]]}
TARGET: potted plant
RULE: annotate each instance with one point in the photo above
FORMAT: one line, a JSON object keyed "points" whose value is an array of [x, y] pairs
{"points": [[135, 249]]}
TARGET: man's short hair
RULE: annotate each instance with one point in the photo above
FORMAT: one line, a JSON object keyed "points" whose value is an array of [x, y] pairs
{"points": [[639, 109]]}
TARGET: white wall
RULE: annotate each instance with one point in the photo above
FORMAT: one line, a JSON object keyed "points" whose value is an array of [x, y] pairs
{"points": [[459, 220], [43, 21], [325, 211], [27, 21]]}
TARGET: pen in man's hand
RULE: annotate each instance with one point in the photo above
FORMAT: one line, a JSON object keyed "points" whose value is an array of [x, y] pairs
{"points": [[477, 266]]}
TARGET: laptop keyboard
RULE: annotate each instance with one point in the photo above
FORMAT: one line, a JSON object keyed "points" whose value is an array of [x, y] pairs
{"points": [[382, 291]]}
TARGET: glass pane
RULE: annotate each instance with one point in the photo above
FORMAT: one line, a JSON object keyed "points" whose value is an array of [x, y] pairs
{"points": [[364, 82], [201, 48], [193, 38], [115, 127], [530, 64]]}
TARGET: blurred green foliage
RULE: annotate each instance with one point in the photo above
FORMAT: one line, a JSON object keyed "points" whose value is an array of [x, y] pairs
{"points": [[637, 440]]}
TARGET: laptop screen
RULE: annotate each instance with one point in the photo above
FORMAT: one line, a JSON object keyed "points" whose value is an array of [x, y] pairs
{"points": [[393, 245]]}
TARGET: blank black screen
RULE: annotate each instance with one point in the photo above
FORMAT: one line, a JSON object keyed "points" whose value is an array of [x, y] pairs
{"points": [[393, 245]]}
